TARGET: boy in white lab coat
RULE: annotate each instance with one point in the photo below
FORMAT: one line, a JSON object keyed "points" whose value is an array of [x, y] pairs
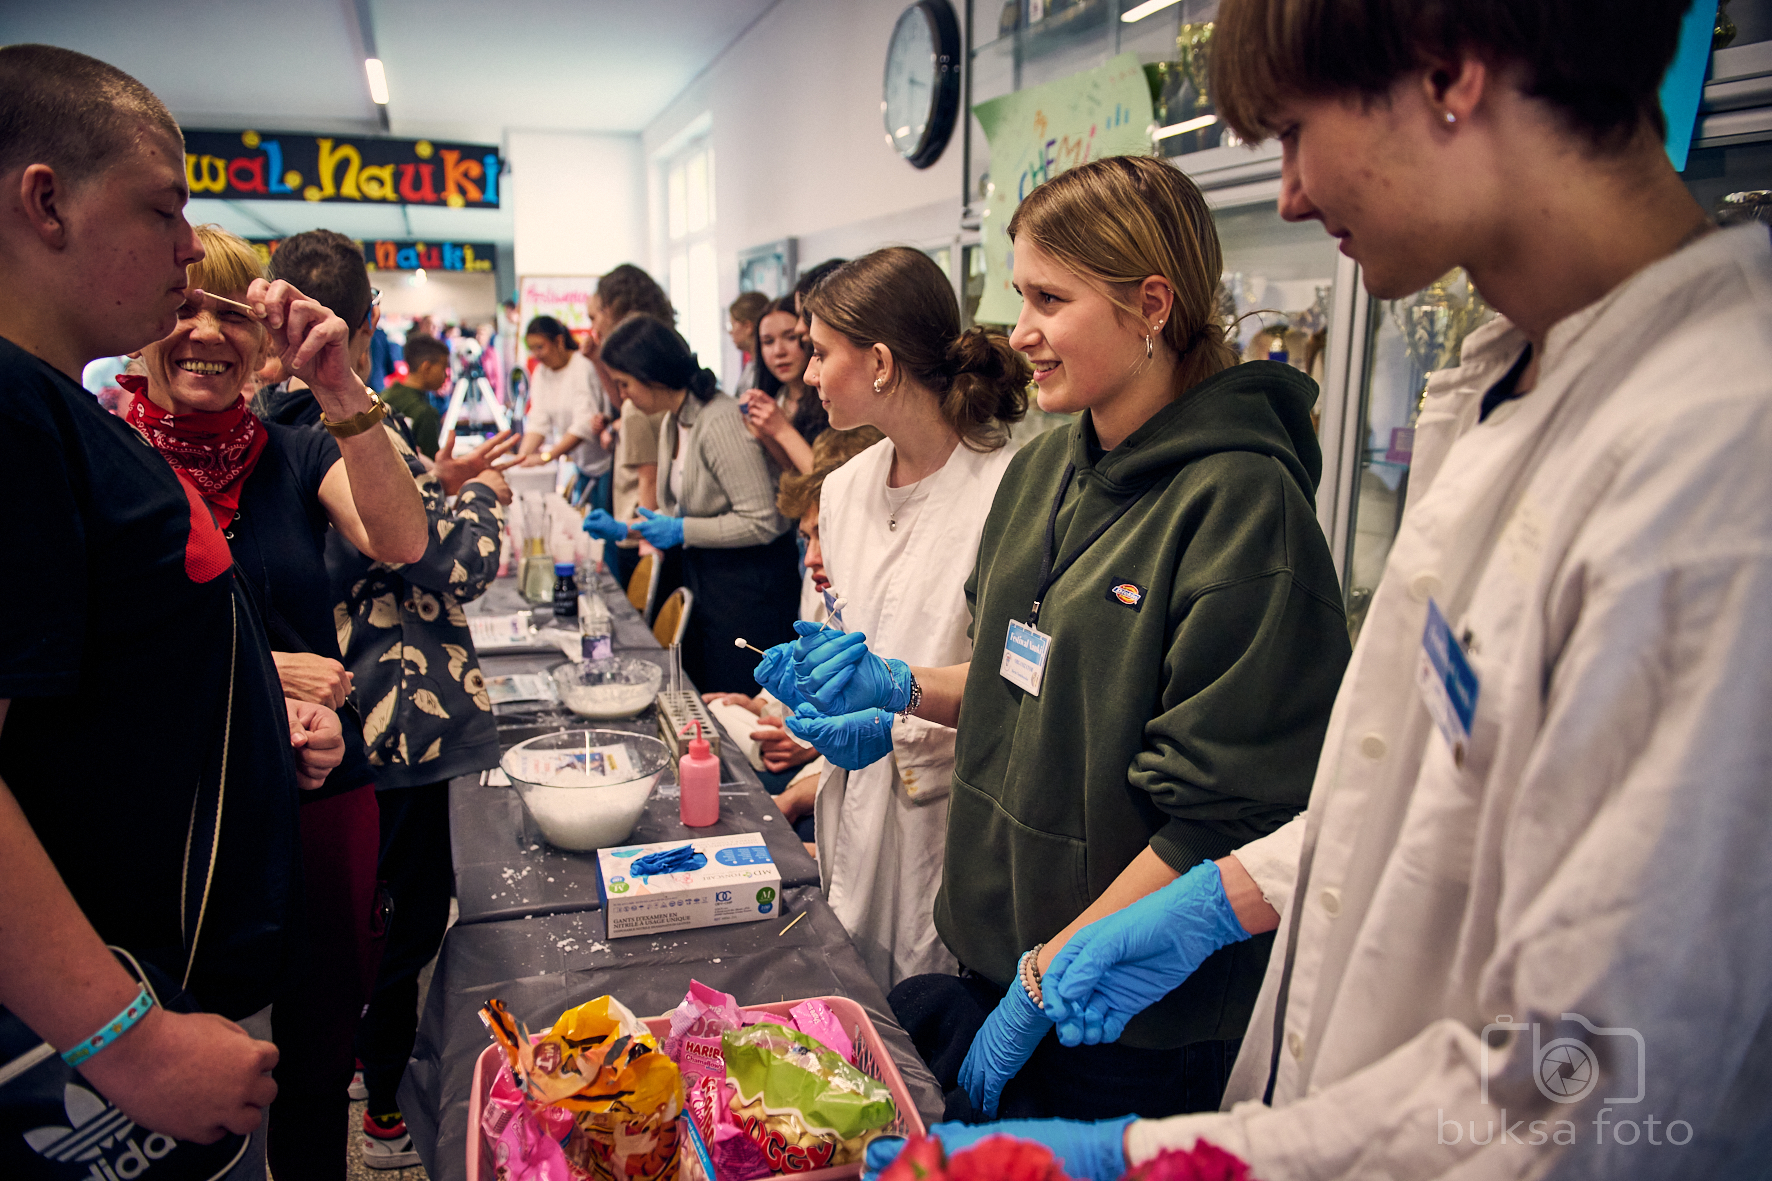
{"points": [[1521, 929]]}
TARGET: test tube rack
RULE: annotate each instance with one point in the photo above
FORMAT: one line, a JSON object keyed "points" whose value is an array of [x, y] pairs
{"points": [[679, 709]]}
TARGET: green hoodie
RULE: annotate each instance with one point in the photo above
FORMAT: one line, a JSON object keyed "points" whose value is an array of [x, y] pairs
{"points": [[1197, 648]]}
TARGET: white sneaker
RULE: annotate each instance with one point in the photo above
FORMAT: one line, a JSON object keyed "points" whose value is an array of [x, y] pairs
{"points": [[387, 1147], [357, 1091]]}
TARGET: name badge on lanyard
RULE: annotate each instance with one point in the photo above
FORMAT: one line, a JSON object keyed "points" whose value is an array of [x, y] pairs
{"points": [[1024, 656], [1447, 683]]}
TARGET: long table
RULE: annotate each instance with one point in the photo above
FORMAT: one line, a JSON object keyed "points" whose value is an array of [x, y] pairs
{"points": [[531, 929]]}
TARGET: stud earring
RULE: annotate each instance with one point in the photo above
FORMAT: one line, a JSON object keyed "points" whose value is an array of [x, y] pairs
{"points": [[1451, 118], [878, 382]]}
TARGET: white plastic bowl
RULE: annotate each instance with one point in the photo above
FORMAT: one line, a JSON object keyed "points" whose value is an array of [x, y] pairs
{"points": [[574, 802], [617, 687]]}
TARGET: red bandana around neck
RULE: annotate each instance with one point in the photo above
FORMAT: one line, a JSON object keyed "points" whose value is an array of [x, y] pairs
{"points": [[216, 451]]}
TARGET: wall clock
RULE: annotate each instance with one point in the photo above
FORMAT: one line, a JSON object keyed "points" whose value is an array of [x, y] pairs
{"points": [[920, 97]]}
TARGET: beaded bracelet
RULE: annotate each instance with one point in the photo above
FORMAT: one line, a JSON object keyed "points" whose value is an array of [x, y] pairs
{"points": [[111, 1030], [1029, 971]]}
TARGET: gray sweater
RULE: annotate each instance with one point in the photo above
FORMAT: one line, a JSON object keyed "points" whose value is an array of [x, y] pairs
{"points": [[728, 494]]}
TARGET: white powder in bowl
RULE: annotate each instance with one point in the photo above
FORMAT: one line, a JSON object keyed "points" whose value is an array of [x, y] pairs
{"points": [[587, 818]]}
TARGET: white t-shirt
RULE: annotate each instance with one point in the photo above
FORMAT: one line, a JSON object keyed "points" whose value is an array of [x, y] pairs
{"points": [[566, 399]]}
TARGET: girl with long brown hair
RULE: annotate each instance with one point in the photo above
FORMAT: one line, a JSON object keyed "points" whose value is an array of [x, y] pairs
{"points": [[1159, 639]]}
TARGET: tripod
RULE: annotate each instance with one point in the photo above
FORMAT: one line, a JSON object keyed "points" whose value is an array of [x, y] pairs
{"points": [[473, 386]]}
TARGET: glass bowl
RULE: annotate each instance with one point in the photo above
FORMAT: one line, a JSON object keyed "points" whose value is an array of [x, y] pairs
{"points": [[615, 687], [585, 789]]}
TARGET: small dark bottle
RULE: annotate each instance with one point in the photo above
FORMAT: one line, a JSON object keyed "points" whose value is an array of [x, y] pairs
{"points": [[565, 591]]}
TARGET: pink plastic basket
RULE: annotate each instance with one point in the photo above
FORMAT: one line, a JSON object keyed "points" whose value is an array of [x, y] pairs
{"points": [[871, 1054]]}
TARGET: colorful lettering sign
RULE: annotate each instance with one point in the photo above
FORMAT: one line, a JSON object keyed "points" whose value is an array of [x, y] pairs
{"points": [[1037, 133], [401, 255], [289, 166]]}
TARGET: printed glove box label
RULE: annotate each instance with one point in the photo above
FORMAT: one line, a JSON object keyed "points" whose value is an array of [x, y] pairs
{"points": [[679, 885]]}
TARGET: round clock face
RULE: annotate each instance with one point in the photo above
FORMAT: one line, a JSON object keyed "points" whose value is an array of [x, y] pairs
{"points": [[921, 89]]}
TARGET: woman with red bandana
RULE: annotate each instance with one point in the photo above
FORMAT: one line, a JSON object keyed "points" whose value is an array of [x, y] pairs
{"points": [[274, 490]]}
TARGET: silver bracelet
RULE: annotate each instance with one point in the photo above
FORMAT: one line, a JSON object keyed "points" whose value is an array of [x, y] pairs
{"points": [[916, 699]]}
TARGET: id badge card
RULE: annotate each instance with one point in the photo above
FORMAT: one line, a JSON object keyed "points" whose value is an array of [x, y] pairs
{"points": [[1448, 684], [1024, 656]]}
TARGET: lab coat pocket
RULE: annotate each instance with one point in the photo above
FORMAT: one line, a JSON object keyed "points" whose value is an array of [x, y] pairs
{"points": [[924, 755]]}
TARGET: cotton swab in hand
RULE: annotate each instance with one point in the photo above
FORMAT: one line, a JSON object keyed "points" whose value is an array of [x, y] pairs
{"points": [[741, 642], [225, 302]]}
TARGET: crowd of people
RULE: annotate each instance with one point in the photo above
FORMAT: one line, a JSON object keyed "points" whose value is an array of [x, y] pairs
{"points": [[1144, 854]]}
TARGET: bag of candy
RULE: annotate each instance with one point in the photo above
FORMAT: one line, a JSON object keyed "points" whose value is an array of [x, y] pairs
{"points": [[696, 1025], [525, 1143], [734, 1156], [799, 1101], [601, 1064]]}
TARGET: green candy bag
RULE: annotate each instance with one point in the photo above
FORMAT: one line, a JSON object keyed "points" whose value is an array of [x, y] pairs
{"points": [[784, 1078]]}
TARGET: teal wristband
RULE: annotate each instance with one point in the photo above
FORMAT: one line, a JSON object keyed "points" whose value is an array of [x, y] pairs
{"points": [[111, 1030]]}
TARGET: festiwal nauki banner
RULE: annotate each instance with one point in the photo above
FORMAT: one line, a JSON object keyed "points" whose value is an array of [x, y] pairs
{"points": [[1037, 133]]}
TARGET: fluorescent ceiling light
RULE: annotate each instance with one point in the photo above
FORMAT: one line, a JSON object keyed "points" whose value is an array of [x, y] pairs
{"points": [[1184, 127], [378, 80], [1145, 9]]}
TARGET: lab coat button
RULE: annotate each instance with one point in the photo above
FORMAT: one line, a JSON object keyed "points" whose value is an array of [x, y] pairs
{"points": [[1424, 586], [1331, 900], [1295, 1043], [1373, 747]]}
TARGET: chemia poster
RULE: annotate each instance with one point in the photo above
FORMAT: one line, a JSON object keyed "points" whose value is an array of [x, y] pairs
{"points": [[1037, 133]]}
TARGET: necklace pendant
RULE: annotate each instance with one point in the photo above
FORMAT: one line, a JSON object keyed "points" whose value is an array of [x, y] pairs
{"points": [[892, 523]]}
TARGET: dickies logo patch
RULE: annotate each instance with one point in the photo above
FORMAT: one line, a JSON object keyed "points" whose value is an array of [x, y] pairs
{"points": [[1127, 594]]}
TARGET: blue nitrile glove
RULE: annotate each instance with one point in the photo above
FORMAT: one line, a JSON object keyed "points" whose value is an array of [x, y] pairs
{"points": [[660, 531], [852, 741], [839, 675], [775, 672], [1086, 1151], [1118, 966], [1002, 1047], [600, 524]]}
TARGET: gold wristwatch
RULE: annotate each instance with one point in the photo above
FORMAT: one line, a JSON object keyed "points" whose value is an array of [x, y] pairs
{"points": [[357, 423]]}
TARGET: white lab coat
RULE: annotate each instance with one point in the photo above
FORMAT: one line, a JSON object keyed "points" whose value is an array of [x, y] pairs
{"points": [[882, 829], [1605, 849]]}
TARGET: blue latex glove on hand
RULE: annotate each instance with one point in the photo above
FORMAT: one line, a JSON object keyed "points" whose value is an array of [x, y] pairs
{"points": [[660, 531], [839, 675], [1118, 966], [851, 741], [1002, 1047], [775, 672], [600, 524], [1086, 1151]]}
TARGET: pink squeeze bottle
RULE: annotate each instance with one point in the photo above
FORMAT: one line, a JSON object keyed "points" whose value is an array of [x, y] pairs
{"points": [[698, 774]]}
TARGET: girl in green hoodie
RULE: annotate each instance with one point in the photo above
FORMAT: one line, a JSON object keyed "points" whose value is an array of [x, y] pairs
{"points": [[1159, 638]]}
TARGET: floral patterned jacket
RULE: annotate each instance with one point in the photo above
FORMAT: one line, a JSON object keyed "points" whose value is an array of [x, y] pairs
{"points": [[426, 714]]}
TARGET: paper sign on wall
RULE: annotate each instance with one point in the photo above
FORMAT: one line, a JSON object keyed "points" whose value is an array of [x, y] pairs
{"points": [[567, 298], [1038, 133]]}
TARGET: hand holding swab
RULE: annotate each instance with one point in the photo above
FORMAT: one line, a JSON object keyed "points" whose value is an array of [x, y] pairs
{"points": [[741, 642]]}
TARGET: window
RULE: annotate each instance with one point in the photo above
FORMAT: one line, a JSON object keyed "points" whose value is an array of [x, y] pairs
{"points": [[692, 275]]}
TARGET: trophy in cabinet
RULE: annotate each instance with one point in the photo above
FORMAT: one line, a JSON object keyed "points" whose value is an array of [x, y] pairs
{"points": [[1434, 322]]}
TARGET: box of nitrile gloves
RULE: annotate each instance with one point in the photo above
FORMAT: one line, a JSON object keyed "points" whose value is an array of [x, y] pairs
{"points": [[701, 882]]}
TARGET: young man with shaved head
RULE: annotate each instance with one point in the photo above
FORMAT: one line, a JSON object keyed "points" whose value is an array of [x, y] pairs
{"points": [[147, 792]]}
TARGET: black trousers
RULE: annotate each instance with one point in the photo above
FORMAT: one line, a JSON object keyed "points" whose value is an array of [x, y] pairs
{"points": [[944, 1013], [416, 869]]}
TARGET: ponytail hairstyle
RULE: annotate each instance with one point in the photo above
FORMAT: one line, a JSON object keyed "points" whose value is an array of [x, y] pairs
{"points": [[1121, 219], [899, 298], [651, 352], [554, 330]]}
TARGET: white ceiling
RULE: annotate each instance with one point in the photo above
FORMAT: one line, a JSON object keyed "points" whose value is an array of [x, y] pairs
{"points": [[457, 69]]}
